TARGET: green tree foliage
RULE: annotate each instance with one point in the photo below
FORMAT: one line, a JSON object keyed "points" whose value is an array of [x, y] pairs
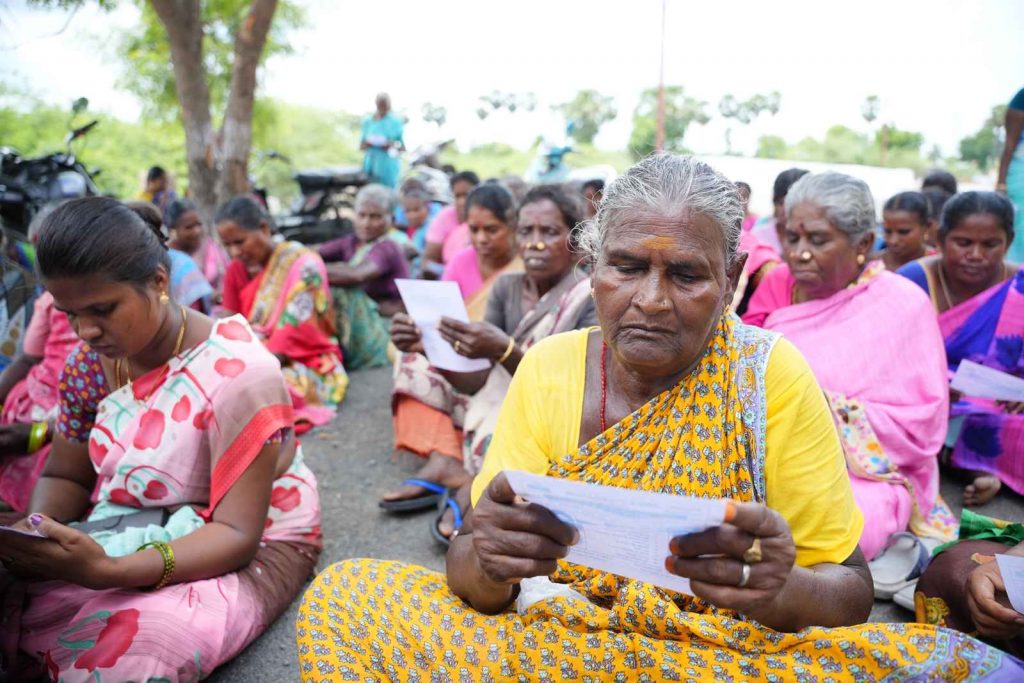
{"points": [[497, 101], [843, 145], [588, 111], [681, 111], [146, 55], [745, 112], [985, 146], [435, 114], [869, 109]]}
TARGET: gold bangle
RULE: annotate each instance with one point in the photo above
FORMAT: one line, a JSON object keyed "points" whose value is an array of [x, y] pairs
{"points": [[37, 436], [508, 351], [168, 554]]}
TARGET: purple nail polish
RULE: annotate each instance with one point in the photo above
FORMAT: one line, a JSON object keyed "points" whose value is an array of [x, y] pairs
{"points": [[35, 519]]}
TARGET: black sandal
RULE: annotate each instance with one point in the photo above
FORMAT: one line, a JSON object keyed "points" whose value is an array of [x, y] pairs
{"points": [[424, 502]]}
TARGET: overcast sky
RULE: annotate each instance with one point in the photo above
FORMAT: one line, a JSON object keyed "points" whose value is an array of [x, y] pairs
{"points": [[937, 65]]}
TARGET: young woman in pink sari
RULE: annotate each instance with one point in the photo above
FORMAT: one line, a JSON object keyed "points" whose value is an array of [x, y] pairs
{"points": [[207, 522], [283, 292], [874, 346], [188, 235], [981, 316], [448, 233], [28, 394]]}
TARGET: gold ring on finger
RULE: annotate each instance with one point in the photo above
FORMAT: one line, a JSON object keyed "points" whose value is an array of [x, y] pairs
{"points": [[458, 345], [753, 554], [744, 576]]}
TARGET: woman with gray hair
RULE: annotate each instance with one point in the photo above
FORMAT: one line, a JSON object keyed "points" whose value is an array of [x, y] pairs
{"points": [[672, 394], [362, 269], [875, 346]]}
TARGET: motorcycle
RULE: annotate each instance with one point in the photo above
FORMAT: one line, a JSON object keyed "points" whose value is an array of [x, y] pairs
{"points": [[325, 208], [28, 185]]}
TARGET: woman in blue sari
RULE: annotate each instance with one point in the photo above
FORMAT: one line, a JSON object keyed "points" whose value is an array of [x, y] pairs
{"points": [[382, 134]]}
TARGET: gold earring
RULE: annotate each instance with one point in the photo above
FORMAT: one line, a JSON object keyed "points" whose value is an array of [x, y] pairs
{"points": [[164, 299], [591, 292], [861, 258]]}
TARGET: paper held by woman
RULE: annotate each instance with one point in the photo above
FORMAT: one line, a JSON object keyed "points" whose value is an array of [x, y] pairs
{"points": [[622, 531], [429, 301]]}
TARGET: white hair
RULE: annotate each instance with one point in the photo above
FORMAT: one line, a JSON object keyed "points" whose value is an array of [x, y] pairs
{"points": [[672, 185], [846, 201], [378, 195]]}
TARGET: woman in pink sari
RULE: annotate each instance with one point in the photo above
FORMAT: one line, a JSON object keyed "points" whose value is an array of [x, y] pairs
{"points": [[188, 235], [206, 521], [448, 233], [978, 297], [28, 393], [875, 348]]}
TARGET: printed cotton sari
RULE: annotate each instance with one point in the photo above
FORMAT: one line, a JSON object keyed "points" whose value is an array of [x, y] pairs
{"points": [[178, 437], [363, 332], [425, 405], [289, 305], [373, 619], [34, 399], [877, 352], [989, 329], [474, 417]]}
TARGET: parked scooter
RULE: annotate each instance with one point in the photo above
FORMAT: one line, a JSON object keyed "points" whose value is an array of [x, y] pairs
{"points": [[28, 185]]}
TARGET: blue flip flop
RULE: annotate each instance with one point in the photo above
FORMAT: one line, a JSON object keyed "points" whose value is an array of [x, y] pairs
{"points": [[447, 501], [424, 502]]}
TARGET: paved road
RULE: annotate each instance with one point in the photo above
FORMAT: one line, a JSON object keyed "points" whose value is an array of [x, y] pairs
{"points": [[352, 460]]}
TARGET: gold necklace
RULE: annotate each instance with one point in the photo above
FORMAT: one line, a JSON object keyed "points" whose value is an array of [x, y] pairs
{"points": [[945, 288], [177, 350]]}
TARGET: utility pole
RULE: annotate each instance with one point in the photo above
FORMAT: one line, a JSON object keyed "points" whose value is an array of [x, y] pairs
{"points": [[659, 136]]}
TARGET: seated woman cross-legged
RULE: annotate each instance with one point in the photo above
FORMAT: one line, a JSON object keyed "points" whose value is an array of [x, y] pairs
{"points": [[282, 291], [872, 341], [980, 303], [672, 394], [362, 269], [178, 427], [450, 416]]}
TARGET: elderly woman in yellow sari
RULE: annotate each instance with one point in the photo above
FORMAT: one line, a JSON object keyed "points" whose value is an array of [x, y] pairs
{"points": [[673, 395]]}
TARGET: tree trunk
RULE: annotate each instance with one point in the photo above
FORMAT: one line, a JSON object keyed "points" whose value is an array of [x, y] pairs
{"points": [[236, 132], [182, 20]]}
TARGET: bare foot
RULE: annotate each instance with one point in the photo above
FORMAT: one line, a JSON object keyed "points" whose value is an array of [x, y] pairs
{"points": [[446, 471], [982, 490], [462, 497]]}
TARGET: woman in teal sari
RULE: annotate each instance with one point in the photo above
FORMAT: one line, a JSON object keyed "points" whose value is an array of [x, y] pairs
{"points": [[382, 133]]}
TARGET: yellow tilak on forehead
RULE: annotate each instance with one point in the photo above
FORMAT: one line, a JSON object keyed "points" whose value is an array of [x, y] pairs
{"points": [[659, 243]]}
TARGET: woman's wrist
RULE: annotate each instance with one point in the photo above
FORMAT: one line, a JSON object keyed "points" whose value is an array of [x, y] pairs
{"points": [[139, 570]]}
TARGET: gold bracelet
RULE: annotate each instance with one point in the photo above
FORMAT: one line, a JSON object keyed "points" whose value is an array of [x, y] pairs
{"points": [[508, 351], [168, 554], [37, 436]]}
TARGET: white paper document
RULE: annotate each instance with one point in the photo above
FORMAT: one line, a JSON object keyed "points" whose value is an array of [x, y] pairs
{"points": [[1012, 569], [981, 381], [427, 301], [622, 531]]}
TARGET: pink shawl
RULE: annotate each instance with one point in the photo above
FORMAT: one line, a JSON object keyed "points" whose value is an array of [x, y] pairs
{"points": [[877, 342], [758, 253]]}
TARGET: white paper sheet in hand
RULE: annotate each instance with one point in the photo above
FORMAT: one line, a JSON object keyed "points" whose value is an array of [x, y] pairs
{"points": [[622, 531], [1012, 569], [427, 302], [981, 381]]}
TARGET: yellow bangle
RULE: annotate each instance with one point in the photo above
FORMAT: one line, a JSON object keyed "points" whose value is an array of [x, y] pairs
{"points": [[37, 436], [168, 554], [508, 351]]}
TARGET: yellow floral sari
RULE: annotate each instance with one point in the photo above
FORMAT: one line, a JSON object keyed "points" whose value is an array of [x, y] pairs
{"points": [[373, 619]]}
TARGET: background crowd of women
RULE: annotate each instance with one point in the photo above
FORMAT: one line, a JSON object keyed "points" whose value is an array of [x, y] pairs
{"points": [[146, 312]]}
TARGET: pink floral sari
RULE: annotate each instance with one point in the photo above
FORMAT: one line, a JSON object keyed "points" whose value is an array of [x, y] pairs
{"points": [[181, 435], [876, 350], [34, 399]]}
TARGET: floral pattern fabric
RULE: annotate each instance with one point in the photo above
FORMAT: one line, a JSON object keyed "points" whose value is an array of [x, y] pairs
{"points": [[180, 435], [373, 620]]}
